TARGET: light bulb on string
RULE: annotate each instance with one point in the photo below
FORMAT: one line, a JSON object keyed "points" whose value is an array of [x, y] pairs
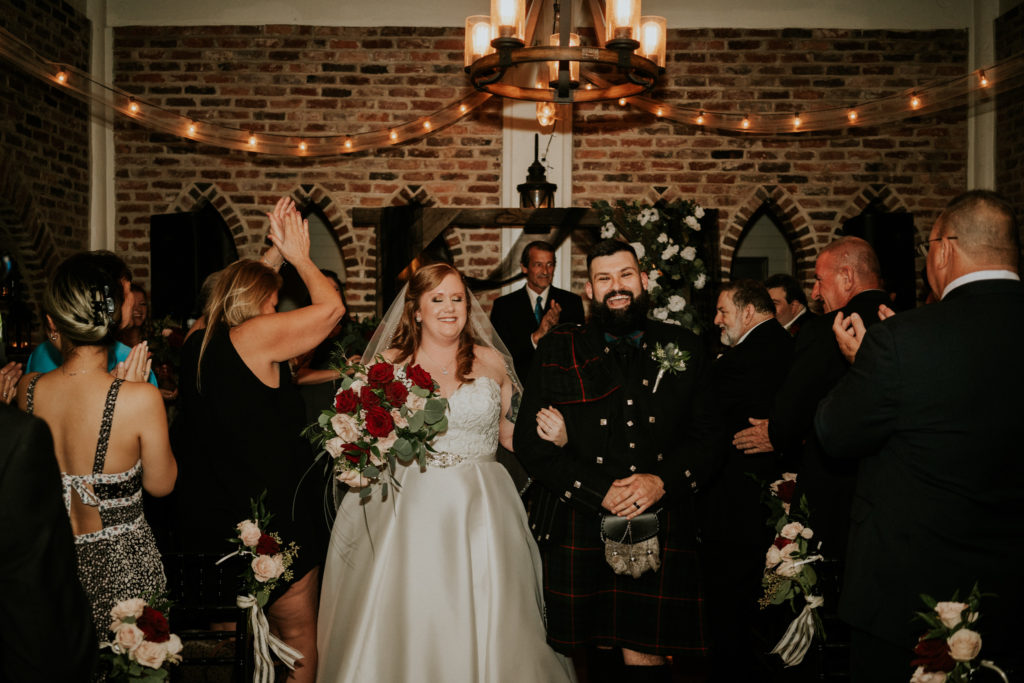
{"points": [[852, 116], [746, 122], [982, 79], [192, 128], [252, 139], [797, 120], [133, 106], [393, 135], [915, 101], [462, 109], [426, 125], [348, 143], [62, 76], [658, 112], [622, 101], [700, 118], [302, 146]]}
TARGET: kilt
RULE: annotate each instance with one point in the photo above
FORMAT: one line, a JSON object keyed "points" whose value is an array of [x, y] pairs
{"points": [[660, 613]]}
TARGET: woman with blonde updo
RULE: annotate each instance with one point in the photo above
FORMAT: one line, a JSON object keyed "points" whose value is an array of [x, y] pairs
{"points": [[110, 437], [242, 421]]}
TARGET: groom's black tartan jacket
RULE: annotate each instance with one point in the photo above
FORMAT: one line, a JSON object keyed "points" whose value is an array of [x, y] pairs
{"points": [[616, 423]]}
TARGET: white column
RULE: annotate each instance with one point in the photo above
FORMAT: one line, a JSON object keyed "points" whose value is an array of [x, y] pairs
{"points": [[102, 215], [981, 117], [519, 125]]}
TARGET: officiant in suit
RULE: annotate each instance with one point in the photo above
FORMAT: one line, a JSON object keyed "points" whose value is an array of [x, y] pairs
{"points": [[523, 317], [932, 409], [47, 632], [735, 537]]}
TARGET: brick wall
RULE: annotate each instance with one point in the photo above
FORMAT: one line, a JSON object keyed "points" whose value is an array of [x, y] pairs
{"points": [[340, 80], [1010, 113], [44, 144]]}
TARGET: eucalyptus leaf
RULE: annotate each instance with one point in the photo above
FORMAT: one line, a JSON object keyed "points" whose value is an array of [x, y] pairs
{"points": [[416, 421], [365, 492], [435, 409], [782, 592], [371, 472]]}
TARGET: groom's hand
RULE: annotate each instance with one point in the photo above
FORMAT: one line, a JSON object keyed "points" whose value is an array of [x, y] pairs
{"points": [[633, 495]]}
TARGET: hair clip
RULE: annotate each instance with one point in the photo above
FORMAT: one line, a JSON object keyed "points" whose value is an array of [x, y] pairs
{"points": [[102, 306]]}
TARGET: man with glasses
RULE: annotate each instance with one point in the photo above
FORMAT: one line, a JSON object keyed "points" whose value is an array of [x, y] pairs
{"points": [[932, 409]]}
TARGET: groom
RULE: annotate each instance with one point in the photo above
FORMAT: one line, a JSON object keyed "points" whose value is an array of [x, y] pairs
{"points": [[638, 441]]}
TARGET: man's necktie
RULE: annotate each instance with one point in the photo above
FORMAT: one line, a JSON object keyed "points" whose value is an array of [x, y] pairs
{"points": [[538, 310]]}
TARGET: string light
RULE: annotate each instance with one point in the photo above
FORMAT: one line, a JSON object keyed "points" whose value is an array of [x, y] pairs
{"points": [[659, 112], [426, 125], [252, 139], [915, 101], [852, 115], [62, 76], [462, 109], [302, 146], [982, 80], [700, 118], [133, 106], [796, 120], [746, 122], [192, 128], [393, 135], [348, 143], [622, 101]]}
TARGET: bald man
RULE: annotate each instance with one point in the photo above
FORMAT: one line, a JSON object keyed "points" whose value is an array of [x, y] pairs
{"points": [[931, 408]]}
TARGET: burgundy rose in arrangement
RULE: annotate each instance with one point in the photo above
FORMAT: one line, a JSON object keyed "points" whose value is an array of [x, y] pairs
{"points": [[153, 625], [933, 655], [141, 646], [269, 560], [267, 545], [948, 651], [382, 414]]}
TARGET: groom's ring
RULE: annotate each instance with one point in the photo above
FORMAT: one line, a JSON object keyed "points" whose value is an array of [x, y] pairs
{"points": [[636, 505]]}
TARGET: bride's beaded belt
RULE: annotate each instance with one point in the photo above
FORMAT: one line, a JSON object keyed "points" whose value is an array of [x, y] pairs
{"points": [[442, 459]]}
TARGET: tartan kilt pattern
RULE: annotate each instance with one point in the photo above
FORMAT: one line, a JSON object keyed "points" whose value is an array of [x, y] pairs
{"points": [[661, 613]]}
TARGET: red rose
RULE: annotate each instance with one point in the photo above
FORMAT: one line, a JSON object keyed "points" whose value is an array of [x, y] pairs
{"points": [[396, 394], [368, 398], [933, 655], [346, 401], [267, 545], [781, 542], [421, 377], [785, 491], [153, 625], [380, 374], [379, 422], [353, 453]]}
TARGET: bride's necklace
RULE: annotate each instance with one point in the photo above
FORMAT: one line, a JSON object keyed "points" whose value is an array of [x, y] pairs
{"points": [[72, 373], [444, 368]]}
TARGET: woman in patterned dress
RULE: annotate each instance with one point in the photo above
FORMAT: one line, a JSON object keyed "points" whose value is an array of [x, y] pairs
{"points": [[109, 433]]}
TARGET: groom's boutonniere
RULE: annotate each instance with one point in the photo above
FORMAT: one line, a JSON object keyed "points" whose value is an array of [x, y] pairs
{"points": [[669, 359]]}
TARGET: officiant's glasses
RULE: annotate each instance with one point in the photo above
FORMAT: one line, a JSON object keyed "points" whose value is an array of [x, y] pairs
{"points": [[923, 246]]}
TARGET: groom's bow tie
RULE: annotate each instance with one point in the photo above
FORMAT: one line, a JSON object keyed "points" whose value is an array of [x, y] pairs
{"points": [[630, 339]]}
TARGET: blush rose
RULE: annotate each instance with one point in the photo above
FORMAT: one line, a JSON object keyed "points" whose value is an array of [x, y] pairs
{"points": [[267, 567], [249, 532], [964, 645]]}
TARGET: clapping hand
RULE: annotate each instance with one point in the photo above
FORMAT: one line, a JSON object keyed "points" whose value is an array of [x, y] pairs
{"points": [[289, 232], [136, 367], [549, 320]]}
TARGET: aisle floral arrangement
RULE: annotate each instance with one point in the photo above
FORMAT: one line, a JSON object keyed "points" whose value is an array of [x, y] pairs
{"points": [[666, 242], [142, 647], [948, 651], [382, 414], [789, 570], [269, 565]]}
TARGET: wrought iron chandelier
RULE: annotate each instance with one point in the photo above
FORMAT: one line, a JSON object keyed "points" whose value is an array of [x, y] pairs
{"points": [[499, 62]]}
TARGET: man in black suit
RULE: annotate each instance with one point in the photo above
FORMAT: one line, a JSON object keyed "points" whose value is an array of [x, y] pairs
{"points": [[735, 538], [932, 409], [638, 438], [790, 302], [47, 632], [523, 317], [847, 280]]}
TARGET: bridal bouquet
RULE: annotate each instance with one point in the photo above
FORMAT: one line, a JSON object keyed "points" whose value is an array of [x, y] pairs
{"points": [[947, 651], [270, 563], [382, 414], [789, 572], [142, 647]]}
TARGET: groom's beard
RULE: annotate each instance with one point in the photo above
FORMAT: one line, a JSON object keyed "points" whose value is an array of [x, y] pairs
{"points": [[624, 320]]}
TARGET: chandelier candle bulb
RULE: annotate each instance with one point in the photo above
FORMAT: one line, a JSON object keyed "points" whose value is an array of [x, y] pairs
{"points": [[508, 19], [478, 38], [623, 20], [574, 66], [652, 39]]}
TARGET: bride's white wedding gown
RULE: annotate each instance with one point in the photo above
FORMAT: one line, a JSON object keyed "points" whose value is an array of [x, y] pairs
{"points": [[441, 583]]}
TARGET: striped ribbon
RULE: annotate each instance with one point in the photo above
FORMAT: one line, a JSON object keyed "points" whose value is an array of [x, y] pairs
{"points": [[263, 642], [798, 636]]}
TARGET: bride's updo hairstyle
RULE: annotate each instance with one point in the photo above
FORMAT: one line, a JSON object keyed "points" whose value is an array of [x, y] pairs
{"points": [[84, 301], [407, 336], [240, 290]]}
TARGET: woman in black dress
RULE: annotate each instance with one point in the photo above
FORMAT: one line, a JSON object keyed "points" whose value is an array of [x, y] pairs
{"points": [[243, 420]]}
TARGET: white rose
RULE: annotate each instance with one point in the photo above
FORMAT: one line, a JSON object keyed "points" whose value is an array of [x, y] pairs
{"points": [[772, 557], [652, 279], [676, 303], [790, 552], [128, 608], [608, 231], [639, 249], [150, 654], [249, 532], [128, 637], [661, 313], [807, 533], [384, 445], [791, 530], [964, 645], [692, 222], [670, 251], [662, 238], [700, 281], [346, 427], [267, 567], [787, 568], [949, 612], [689, 253], [333, 447], [415, 403], [789, 476], [921, 676], [698, 212], [173, 645]]}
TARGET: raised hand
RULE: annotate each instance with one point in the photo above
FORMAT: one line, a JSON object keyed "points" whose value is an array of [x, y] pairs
{"points": [[289, 232], [136, 367]]}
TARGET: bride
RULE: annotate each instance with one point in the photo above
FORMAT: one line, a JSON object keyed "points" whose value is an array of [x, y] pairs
{"points": [[440, 582]]}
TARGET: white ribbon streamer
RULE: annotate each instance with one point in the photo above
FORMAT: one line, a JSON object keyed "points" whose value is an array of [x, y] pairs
{"points": [[264, 642], [795, 642]]}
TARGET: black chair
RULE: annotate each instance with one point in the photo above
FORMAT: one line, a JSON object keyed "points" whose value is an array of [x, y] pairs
{"points": [[203, 593]]}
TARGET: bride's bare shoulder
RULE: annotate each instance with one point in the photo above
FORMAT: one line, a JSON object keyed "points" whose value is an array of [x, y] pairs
{"points": [[391, 355]]}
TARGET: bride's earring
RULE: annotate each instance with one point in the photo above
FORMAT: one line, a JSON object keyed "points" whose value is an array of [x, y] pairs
{"points": [[419, 319]]}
